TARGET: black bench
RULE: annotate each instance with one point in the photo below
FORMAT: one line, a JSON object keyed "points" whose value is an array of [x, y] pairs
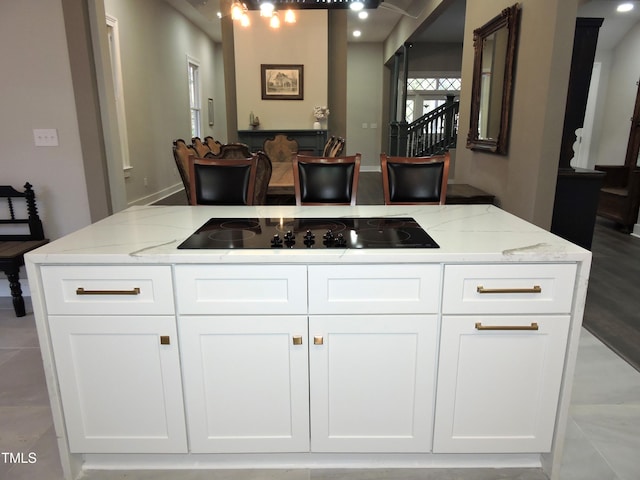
{"points": [[20, 232]]}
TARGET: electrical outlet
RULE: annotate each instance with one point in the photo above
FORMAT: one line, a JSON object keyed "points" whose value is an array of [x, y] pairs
{"points": [[45, 137]]}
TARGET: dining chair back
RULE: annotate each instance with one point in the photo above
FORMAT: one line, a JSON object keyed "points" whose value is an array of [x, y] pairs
{"points": [[326, 181], [280, 148], [415, 180], [216, 181], [181, 154]]}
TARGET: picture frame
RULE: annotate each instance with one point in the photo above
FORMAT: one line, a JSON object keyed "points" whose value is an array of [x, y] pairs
{"points": [[282, 82]]}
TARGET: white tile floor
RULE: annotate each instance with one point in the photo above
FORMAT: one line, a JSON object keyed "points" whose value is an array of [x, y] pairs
{"points": [[603, 440]]}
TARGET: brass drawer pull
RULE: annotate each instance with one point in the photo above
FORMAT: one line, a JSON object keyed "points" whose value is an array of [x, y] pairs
{"points": [[297, 339], [318, 340], [133, 291], [534, 289], [165, 340], [533, 326]]}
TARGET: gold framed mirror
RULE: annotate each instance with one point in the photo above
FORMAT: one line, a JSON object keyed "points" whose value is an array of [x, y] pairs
{"points": [[493, 69]]}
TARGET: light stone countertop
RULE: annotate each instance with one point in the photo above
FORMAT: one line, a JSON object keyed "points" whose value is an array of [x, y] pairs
{"points": [[465, 233]]}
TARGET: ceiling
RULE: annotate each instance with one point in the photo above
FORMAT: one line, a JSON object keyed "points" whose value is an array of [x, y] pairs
{"points": [[446, 25]]}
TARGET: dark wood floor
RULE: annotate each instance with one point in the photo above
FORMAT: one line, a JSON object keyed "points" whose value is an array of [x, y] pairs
{"points": [[612, 312]]}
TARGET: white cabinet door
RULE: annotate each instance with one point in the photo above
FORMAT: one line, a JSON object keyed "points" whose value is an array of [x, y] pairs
{"points": [[498, 389], [372, 382], [246, 383], [120, 383]]}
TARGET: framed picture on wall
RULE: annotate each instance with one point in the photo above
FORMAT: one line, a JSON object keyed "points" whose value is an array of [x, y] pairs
{"points": [[282, 82]]}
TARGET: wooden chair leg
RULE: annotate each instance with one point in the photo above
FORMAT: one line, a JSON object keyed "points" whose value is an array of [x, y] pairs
{"points": [[16, 292]]}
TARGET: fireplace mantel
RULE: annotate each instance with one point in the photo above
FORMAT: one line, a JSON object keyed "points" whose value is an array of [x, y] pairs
{"points": [[309, 141]]}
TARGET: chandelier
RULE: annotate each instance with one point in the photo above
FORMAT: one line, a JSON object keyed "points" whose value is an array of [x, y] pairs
{"points": [[271, 9]]}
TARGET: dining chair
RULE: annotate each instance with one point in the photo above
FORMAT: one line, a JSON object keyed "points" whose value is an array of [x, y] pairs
{"points": [[415, 180], [280, 148], [216, 181], [326, 181], [181, 154]]}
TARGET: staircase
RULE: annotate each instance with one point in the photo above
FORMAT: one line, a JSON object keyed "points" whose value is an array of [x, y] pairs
{"points": [[433, 133]]}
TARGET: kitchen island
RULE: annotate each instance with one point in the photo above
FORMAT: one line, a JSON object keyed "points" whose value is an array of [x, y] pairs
{"points": [[159, 357]]}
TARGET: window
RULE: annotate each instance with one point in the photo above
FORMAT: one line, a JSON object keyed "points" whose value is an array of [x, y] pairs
{"points": [[409, 111], [425, 94], [194, 96]]}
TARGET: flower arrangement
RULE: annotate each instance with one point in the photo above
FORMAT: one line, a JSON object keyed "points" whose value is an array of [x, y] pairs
{"points": [[320, 113]]}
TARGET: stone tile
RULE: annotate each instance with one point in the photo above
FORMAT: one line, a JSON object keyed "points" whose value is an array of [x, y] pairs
{"points": [[22, 427], [22, 381], [581, 461], [602, 377], [614, 432], [45, 461]]}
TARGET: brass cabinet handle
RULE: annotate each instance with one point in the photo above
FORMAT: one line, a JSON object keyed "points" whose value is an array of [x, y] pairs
{"points": [[165, 340], [133, 291], [533, 326], [297, 339], [318, 340], [534, 289]]}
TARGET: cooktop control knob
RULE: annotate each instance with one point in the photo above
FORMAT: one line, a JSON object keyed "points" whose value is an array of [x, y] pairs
{"points": [[328, 238], [289, 239], [340, 241], [276, 241], [309, 238]]}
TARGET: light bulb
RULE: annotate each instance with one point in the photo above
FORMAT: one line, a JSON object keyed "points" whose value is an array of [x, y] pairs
{"points": [[356, 6], [357, 33], [244, 20], [363, 14], [625, 7], [266, 9], [275, 21], [236, 10], [289, 16]]}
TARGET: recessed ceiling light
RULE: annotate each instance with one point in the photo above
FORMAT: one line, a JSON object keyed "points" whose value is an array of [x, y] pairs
{"points": [[356, 6], [625, 7], [363, 14], [357, 33]]}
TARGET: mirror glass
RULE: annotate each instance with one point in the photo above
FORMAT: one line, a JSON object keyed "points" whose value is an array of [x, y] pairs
{"points": [[495, 45]]}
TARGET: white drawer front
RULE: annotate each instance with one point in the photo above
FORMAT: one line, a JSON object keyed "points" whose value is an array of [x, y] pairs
{"points": [[522, 288], [241, 289], [108, 290], [374, 288]]}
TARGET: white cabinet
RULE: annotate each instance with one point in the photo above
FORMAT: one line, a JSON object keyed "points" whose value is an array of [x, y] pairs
{"points": [[372, 382], [373, 375], [120, 383], [346, 383], [119, 374], [246, 375], [499, 374], [246, 383]]}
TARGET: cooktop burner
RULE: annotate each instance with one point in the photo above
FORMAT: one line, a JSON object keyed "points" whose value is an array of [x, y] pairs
{"points": [[225, 233]]}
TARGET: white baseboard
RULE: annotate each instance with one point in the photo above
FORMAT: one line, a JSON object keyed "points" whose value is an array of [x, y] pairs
{"points": [[154, 197], [636, 230]]}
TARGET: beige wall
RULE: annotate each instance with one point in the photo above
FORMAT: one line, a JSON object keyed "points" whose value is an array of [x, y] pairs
{"points": [[155, 43], [364, 103], [260, 44], [37, 92], [524, 180]]}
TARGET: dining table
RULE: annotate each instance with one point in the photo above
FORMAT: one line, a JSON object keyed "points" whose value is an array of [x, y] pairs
{"points": [[281, 182]]}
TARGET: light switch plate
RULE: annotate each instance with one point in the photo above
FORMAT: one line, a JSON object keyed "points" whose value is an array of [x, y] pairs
{"points": [[45, 137]]}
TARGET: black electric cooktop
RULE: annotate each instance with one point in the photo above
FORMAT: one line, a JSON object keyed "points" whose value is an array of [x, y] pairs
{"points": [[225, 233]]}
